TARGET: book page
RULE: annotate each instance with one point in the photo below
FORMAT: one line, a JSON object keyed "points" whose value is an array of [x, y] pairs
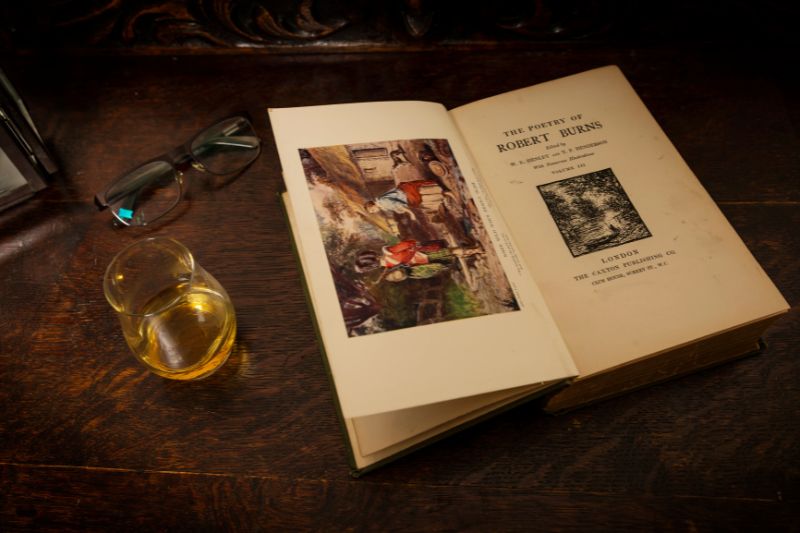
{"points": [[631, 253], [373, 438], [10, 176], [380, 431], [378, 437], [418, 294]]}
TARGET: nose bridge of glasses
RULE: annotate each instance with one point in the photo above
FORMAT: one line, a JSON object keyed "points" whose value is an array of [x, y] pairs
{"points": [[181, 158]]}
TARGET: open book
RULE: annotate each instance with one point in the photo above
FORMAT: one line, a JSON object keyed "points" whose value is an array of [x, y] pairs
{"points": [[547, 241]]}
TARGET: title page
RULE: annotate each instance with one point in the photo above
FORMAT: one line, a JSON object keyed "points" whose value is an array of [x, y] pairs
{"points": [[631, 253]]}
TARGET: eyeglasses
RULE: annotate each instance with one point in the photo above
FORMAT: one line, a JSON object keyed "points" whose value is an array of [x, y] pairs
{"points": [[151, 190]]}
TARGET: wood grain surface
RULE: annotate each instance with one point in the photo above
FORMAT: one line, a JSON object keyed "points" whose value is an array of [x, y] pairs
{"points": [[89, 440]]}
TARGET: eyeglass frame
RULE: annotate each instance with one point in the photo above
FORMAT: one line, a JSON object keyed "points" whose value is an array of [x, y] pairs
{"points": [[181, 159]]}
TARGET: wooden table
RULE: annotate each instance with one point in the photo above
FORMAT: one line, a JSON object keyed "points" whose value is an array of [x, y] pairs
{"points": [[89, 440]]}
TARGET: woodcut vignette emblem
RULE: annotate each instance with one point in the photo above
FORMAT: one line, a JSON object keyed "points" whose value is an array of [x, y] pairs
{"points": [[593, 212]]}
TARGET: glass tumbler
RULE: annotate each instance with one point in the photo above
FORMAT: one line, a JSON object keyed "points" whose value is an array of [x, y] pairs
{"points": [[176, 318]]}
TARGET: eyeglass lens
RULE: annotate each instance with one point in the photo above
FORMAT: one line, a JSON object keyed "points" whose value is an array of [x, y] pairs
{"points": [[149, 191], [227, 146]]}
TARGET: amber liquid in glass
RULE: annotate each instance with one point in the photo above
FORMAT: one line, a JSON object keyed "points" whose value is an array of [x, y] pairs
{"points": [[190, 338]]}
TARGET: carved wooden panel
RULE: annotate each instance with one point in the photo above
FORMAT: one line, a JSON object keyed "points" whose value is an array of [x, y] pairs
{"points": [[243, 24], [357, 25]]}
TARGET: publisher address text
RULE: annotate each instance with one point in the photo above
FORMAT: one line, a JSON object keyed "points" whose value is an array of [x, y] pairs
{"points": [[622, 265]]}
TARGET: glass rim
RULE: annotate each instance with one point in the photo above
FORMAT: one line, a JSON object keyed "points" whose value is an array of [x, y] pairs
{"points": [[181, 248]]}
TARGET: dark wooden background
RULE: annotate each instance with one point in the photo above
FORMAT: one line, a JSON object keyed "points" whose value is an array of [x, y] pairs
{"points": [[90, 441]]}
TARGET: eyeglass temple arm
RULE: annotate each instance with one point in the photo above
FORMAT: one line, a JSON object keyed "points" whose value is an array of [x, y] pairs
{"points": [[241, 141], [100, 202]]}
